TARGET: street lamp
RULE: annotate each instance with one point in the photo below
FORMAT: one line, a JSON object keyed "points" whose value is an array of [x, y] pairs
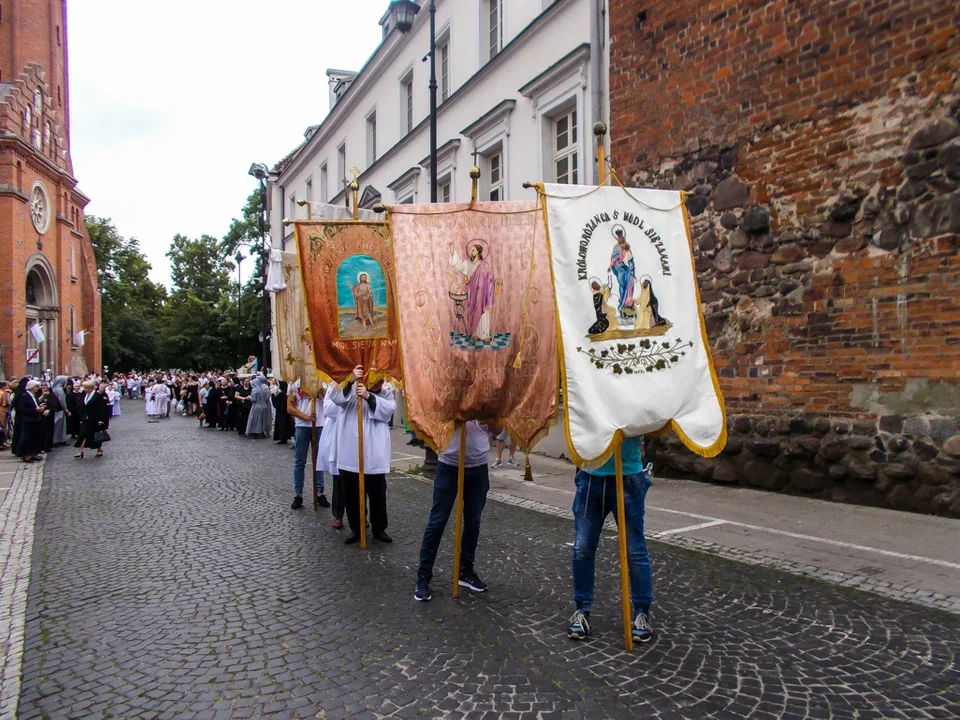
{"points": [[404, 12], [239, 258], [260, 172]]}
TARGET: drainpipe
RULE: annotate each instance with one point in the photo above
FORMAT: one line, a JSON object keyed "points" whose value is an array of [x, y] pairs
{"points": [[597, 46]]}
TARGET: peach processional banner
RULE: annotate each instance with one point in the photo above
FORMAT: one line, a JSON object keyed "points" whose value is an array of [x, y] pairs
{"points": [[477, 317], [292, 329], [347, 272], [633, 341]]}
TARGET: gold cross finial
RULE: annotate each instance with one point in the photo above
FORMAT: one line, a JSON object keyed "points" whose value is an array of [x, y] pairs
{"points": [[355, 171]]}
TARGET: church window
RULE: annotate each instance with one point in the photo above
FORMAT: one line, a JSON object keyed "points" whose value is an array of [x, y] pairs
{"points": [[27, 119], [39, 208], [47, 133], [38, 100], [565, 159]]}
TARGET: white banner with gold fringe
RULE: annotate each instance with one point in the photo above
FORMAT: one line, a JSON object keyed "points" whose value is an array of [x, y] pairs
{"points": [[634, 346]]}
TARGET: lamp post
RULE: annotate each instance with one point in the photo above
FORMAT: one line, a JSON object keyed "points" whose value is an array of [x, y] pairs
{"points": [[404, 12], [260, 171], [239, 258]]}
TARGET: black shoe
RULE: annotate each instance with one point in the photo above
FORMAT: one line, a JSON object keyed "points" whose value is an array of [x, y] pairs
{"points": [[579, 626], [352, 539], [642, 631], [422, 593], [322, 501], [383, 537], [297, 502], [469, 579]]}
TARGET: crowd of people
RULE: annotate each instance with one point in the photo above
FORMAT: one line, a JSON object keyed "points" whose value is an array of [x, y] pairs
{"points": [[38, 415], [255, 406]]}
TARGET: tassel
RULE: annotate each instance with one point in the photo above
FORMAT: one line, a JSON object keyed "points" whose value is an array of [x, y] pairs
{"points": [[517, 363]]}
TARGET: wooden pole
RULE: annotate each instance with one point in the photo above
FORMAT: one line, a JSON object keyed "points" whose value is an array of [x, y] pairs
{"points": [[624, 568], [599, 131], [363, 489], [313, 444], [458, 530]]}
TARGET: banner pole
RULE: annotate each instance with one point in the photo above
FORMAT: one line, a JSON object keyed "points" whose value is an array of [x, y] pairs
{"points": [[624, 568], [458, 530], [313, 444], [599, 131], [363, 489]]}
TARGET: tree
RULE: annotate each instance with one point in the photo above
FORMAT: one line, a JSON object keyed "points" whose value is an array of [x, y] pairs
{"points": [[200, 266], [131, 304]]}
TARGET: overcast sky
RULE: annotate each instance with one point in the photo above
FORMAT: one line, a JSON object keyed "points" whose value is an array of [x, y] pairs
{"points": [[171, 102]]}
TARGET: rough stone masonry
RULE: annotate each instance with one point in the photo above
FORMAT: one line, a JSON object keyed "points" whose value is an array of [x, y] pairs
{"points": [[820, 145]]}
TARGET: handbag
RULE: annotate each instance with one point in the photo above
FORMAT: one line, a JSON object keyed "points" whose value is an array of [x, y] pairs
{"points": [[101, 436]]}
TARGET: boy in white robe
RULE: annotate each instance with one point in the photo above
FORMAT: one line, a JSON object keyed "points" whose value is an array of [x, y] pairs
{"points": [[378, 407], [326, 456]]}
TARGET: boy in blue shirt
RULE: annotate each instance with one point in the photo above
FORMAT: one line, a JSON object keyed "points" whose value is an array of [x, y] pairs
{"points": [[596, 497]]}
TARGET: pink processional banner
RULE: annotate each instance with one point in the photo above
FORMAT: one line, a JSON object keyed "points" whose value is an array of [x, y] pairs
{"points": [[478, 329]]}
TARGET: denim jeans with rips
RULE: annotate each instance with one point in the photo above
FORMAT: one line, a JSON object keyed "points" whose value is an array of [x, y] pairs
{"points": [[596, 497]]}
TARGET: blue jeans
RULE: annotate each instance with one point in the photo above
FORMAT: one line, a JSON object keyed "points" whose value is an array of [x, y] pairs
{"points": [[301, 453], [476, 485], [596, 497]]}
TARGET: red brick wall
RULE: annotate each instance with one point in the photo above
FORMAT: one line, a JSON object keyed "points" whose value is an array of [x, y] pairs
{"points": [[819, 140]]}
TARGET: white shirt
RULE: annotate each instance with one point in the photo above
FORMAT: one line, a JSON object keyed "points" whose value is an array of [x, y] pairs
{"points": [[326, 455], [376, 432], [478, 446], [302, 403]]}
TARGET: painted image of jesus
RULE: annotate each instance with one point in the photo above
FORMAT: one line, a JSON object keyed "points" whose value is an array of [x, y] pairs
{"points": [[480, 288], [363, 300], [623, 272]]}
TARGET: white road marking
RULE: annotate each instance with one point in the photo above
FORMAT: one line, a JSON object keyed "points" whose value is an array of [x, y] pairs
{"points": [[689, 528]]}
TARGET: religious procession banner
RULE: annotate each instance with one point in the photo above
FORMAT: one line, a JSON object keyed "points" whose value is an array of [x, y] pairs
{"points": [[634, 346], [477, 317], [347, 271], [292, 328]]}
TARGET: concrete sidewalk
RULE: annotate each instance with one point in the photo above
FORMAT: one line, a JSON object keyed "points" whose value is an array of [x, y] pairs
{"points": [[900, 555]]}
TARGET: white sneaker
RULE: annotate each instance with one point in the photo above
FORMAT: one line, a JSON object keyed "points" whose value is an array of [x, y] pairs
{"points": [[496, 464]]}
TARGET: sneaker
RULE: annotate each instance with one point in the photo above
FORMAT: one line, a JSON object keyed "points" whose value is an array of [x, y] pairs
{"points": [[322, 501], [422, 593], [642, 631], [512, 462], [338, 523], [469, 579], [579, 626], [297, 502], [496, 464]]}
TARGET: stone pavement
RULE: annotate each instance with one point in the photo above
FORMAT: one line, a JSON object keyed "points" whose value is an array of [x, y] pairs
{"points": [[170, 579]]}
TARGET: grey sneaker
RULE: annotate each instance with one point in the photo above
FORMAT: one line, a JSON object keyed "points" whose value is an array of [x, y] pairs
{"points": [[496, 464], [642, 630], [512, 462], [579, 626]]}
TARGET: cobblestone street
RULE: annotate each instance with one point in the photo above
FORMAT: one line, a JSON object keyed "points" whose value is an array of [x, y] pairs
{"points": [[171, 579]]}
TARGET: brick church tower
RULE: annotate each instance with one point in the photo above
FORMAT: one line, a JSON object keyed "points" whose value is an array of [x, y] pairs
{"points": [[48, 272]]}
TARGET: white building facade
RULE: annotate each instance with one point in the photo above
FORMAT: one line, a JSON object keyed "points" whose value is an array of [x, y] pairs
{"points": [[520, 85]]}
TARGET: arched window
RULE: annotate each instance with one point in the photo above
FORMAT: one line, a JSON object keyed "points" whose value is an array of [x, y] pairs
{"points": [[38, 100], [27, 120]]}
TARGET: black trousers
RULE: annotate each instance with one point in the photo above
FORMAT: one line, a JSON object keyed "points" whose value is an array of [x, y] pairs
{"points": [[376, 487]]}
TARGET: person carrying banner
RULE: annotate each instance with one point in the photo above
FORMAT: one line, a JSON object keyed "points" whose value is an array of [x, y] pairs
{"points": [[596, 497], [378, 406], [301, 405], [476, 485]]}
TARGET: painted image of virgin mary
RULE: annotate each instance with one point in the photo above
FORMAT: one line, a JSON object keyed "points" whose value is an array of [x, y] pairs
{"points": [[623, 270], [648, 306]]}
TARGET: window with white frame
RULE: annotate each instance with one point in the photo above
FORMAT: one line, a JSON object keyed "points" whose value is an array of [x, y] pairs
{"points": [[443, 191], [494, 27], [406, 102], [308, 195], [341, 166], [293, 206], [443, 55], [372, 138], [408, 200], [323, 183], [565, 156], [495, 175]]}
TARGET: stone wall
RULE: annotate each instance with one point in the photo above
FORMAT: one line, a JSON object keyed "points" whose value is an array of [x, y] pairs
{"points": [[821, 147]]}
